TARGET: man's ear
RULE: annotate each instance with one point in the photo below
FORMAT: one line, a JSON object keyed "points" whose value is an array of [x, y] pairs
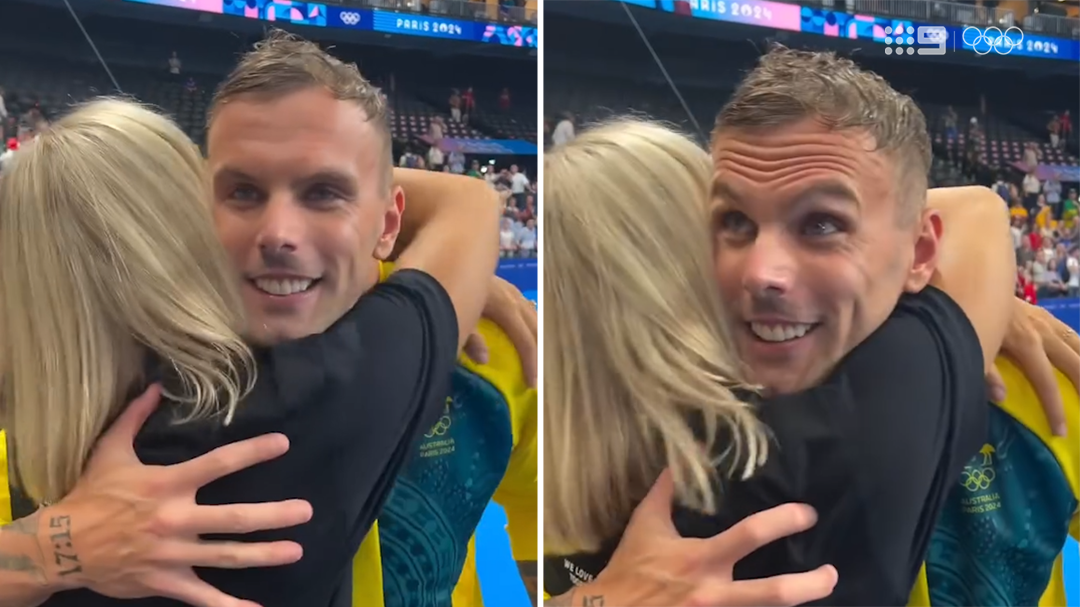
{"points": [[391, 224], [926, 251]]}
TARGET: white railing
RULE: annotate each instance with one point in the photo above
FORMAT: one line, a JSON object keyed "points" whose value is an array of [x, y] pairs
{"points": [[929, 11], [1052, 25]]}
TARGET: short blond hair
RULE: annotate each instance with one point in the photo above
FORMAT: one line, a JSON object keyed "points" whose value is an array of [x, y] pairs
{"points": [[283, 63], [789, 85]]}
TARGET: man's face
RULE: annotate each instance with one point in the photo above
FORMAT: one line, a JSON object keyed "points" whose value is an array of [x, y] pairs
{"points": [[810, 255], [302, 204]]}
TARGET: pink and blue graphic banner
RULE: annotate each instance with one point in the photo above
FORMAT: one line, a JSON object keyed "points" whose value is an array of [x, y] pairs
{"points": [[314, 14], [776, 15], [871, 28]]}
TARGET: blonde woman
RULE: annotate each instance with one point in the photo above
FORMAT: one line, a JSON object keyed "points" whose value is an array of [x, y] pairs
{"points": [[113, 279], [642, 376], [639, 371]]}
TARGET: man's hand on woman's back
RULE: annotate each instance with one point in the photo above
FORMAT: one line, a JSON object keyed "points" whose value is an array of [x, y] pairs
{"points": [[129, 530]]}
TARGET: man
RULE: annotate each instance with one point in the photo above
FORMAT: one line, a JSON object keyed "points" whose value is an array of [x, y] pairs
{"points": [[519, 186], [422, 552], [486, 438], [490, 443], [824, 254], [303, 222]]}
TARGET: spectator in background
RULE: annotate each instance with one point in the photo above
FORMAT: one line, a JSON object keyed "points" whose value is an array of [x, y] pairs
{"points": [[455, 105], [529, 212], [1016, 228], [504, 100], [1035, 237], [1052, 190], [409, 160], [507, 238], [1032, 187], [1072, 265], [468, 101], [950, 120], [1001, 188], [1043, 213], [519, 186], [564, 130], [1026, 287], [435, 157], [190, 85], [9, 151], [174, 65], [456, 162], [474, 170], [1054, 129], [1032, 155], [1066, 126], [1026, 254], [1070, 207], [3, 108], [526, 239], [1047, 279], [436, 129]]}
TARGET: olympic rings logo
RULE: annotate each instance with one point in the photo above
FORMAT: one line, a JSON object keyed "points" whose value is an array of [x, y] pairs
{"points": [[1001, 43], [440, 428], [350, 18], [976, 479]]}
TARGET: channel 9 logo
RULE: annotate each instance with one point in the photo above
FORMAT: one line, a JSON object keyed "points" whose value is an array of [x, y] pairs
{"points": [[933, 38]]}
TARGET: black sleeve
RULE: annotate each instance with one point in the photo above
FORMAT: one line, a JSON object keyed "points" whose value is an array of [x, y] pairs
{"points": [[875, 450]]}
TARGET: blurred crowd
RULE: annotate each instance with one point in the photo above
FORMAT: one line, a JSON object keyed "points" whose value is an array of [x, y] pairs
{"points": [[517, 192], [16, 130], [1046, 235]]}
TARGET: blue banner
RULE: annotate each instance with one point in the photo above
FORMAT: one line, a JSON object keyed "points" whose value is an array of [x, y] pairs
{"points": [[1067, 310], [522, 273], [314, 14], [492, 147]]}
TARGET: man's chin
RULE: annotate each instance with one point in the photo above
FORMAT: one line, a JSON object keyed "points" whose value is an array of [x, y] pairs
{"points": [[787, 381], [271, 334]]}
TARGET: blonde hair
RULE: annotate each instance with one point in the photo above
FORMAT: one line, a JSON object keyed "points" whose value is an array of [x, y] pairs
{"points": [[107, 254], [789, 85], [634, 348]]}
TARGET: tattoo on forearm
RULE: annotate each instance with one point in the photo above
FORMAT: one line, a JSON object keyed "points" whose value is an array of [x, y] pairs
{"points": [[595, 600], [23, 563], [63, 550], [528, 571]]}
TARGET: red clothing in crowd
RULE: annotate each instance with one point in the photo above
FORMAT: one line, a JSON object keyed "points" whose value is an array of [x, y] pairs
{"points": [[1027, 291], [1036, 240]]}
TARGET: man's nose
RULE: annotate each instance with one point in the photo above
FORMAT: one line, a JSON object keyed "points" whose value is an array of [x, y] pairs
{"points": [[282, 225], [770, 267]]}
